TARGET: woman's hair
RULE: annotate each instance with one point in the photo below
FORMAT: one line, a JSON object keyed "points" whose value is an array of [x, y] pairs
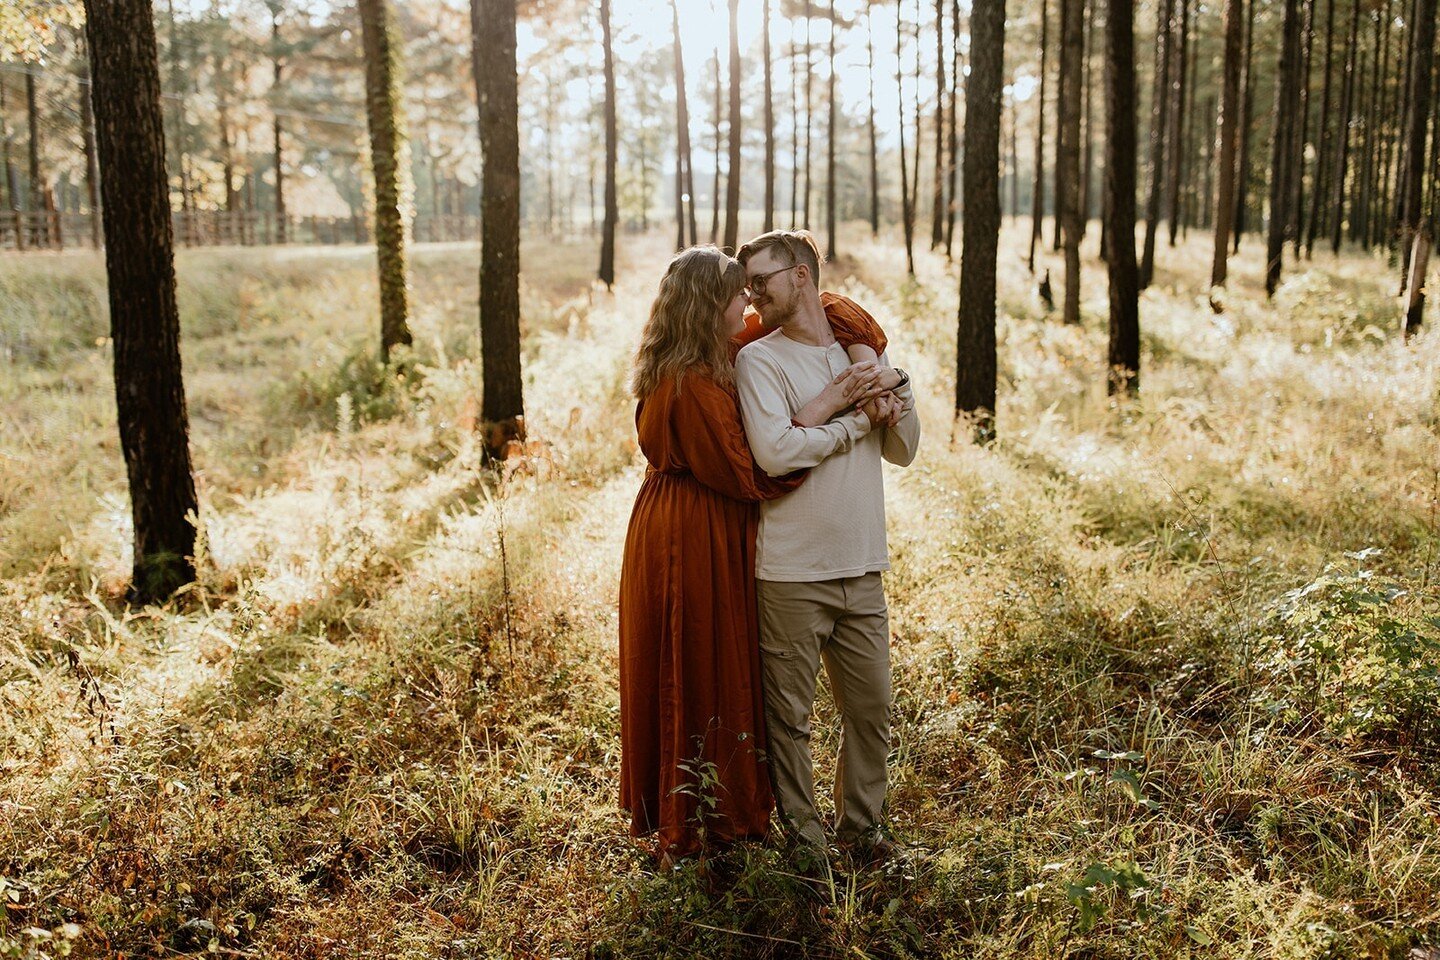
{"points": [[684, 331]]}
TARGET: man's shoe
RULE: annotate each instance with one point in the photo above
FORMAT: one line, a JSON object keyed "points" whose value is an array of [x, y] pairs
{"points": [[873, 849]]}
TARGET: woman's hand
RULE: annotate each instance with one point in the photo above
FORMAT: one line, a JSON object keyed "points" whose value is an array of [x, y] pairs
{"points": [[856, 385], [883, 411]]}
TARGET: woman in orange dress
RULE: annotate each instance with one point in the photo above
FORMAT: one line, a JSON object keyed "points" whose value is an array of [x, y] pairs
{"points": [[691, 714]]}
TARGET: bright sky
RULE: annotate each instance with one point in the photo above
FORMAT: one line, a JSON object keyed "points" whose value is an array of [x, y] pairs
{"points": [[704, 24]]}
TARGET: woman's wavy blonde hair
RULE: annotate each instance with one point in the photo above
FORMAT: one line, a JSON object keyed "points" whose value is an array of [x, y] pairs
{"points": [[684, 331]]}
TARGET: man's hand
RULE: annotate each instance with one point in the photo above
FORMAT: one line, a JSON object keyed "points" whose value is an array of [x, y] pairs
{"points": [[883, 411]]}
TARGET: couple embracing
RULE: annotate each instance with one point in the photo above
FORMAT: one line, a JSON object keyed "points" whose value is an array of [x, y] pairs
{"points": [[754, 553]]}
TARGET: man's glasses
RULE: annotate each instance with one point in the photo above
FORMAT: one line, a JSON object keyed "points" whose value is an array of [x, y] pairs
{"points": [[755, 286]]}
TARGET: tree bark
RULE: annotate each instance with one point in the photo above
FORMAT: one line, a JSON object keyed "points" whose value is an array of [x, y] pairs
{"points": [[1229, 135], [1037, 193], [1177, 121], [769, 222], [612, 205], [1384, 228], [975, 361], [809, 115], [937, 198], [1302, 131], [1159, 124], [953, 155], [715, 190], [12, 177], [732, 169], [493, 61], [907, 217], [684, 175], [794, 129], [92, 169], [389, 162], [1243, 176], [1421, 78], [277, 68], [1347, 94], [1282, 156], [1362, 230], [1124, 352], [1072, 53], [1322, 156], [32, 124], [1087, 175], [830, 242], [874, 153], [144, 316]]}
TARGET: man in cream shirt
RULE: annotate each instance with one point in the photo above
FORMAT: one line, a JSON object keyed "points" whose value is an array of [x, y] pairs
{"points": [[821, 548]]}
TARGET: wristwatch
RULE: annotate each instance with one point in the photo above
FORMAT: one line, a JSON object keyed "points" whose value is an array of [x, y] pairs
{"points": [[904, 378]]}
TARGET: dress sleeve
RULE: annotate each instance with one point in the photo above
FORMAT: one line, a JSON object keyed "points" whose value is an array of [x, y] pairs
{"points": [[852, 324], [711, 441]]}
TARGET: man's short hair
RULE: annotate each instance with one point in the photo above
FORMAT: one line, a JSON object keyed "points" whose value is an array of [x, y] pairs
{"points": [[792, 246]]}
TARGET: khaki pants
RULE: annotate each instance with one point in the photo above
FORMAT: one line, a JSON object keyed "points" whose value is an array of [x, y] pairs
{"points": [[845, 624]]}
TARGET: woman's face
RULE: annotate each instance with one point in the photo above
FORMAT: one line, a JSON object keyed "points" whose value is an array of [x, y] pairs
{"points": [[734, 320]]}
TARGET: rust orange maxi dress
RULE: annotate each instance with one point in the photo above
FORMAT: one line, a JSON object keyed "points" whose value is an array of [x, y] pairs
{"points": [[690, 689]]}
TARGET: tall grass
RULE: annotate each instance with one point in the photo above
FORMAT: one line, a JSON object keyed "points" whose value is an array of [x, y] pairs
{"points": [[1165, 671]]}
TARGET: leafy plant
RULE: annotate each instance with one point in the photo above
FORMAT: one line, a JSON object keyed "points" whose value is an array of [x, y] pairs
{"points": [[1347, 653]]}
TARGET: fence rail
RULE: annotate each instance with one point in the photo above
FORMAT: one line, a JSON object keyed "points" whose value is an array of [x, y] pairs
{"points": [[44, 230]]}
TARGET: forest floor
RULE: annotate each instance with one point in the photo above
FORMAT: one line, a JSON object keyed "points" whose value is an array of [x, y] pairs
{"points": [[1167, 674]]}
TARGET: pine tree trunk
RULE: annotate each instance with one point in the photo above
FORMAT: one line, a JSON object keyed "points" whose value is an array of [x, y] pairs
{"points": [[612, 205], [1296, 229], [282, 229], [1014, 151], [907, 219], [1087, 177], [144, 316], [493, 61], [1390, 130], [1177, 121], [1322, 156], [953, 154], [809, 116], [1362, 230], [92, 169], [975, 361], [32, 123], [12, 176], [1229, 137], [1243, 175], [1072, 53], [1347, 94], [1037, 193], [715, 189], [874, 153], [1159, 125], [1282, 156], [1421, 79], [1124, 352], [830, 240], [937, 199], [794, 130], [919, 125], [732, 169], [684, 176], [769, 222], [389, 163]]}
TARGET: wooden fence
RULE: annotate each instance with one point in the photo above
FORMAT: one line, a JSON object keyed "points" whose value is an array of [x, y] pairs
{"points": [[20, 230]]}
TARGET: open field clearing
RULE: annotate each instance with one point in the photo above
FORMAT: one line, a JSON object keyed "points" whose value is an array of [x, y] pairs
{"points": [[1167, 674]]}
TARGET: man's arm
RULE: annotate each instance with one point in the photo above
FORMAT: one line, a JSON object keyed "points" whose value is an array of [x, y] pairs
{"points": [[903, 439], [780, 446]]}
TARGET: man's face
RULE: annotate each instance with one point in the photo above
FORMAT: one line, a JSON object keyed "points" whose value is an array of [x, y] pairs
{"points": [[781, 296]]}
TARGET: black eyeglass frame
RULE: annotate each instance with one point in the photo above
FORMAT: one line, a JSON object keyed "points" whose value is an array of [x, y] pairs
{"points": [[755, 286]]}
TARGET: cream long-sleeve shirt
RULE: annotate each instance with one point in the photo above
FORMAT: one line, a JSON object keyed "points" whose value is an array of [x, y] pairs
{"points": [[834, 525]]}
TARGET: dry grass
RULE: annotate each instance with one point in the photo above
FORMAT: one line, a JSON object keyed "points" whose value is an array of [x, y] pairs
{"points": [[1121, 729]]}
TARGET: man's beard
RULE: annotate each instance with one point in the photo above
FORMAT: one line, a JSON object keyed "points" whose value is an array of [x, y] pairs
{"points": [[777, 314]]}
